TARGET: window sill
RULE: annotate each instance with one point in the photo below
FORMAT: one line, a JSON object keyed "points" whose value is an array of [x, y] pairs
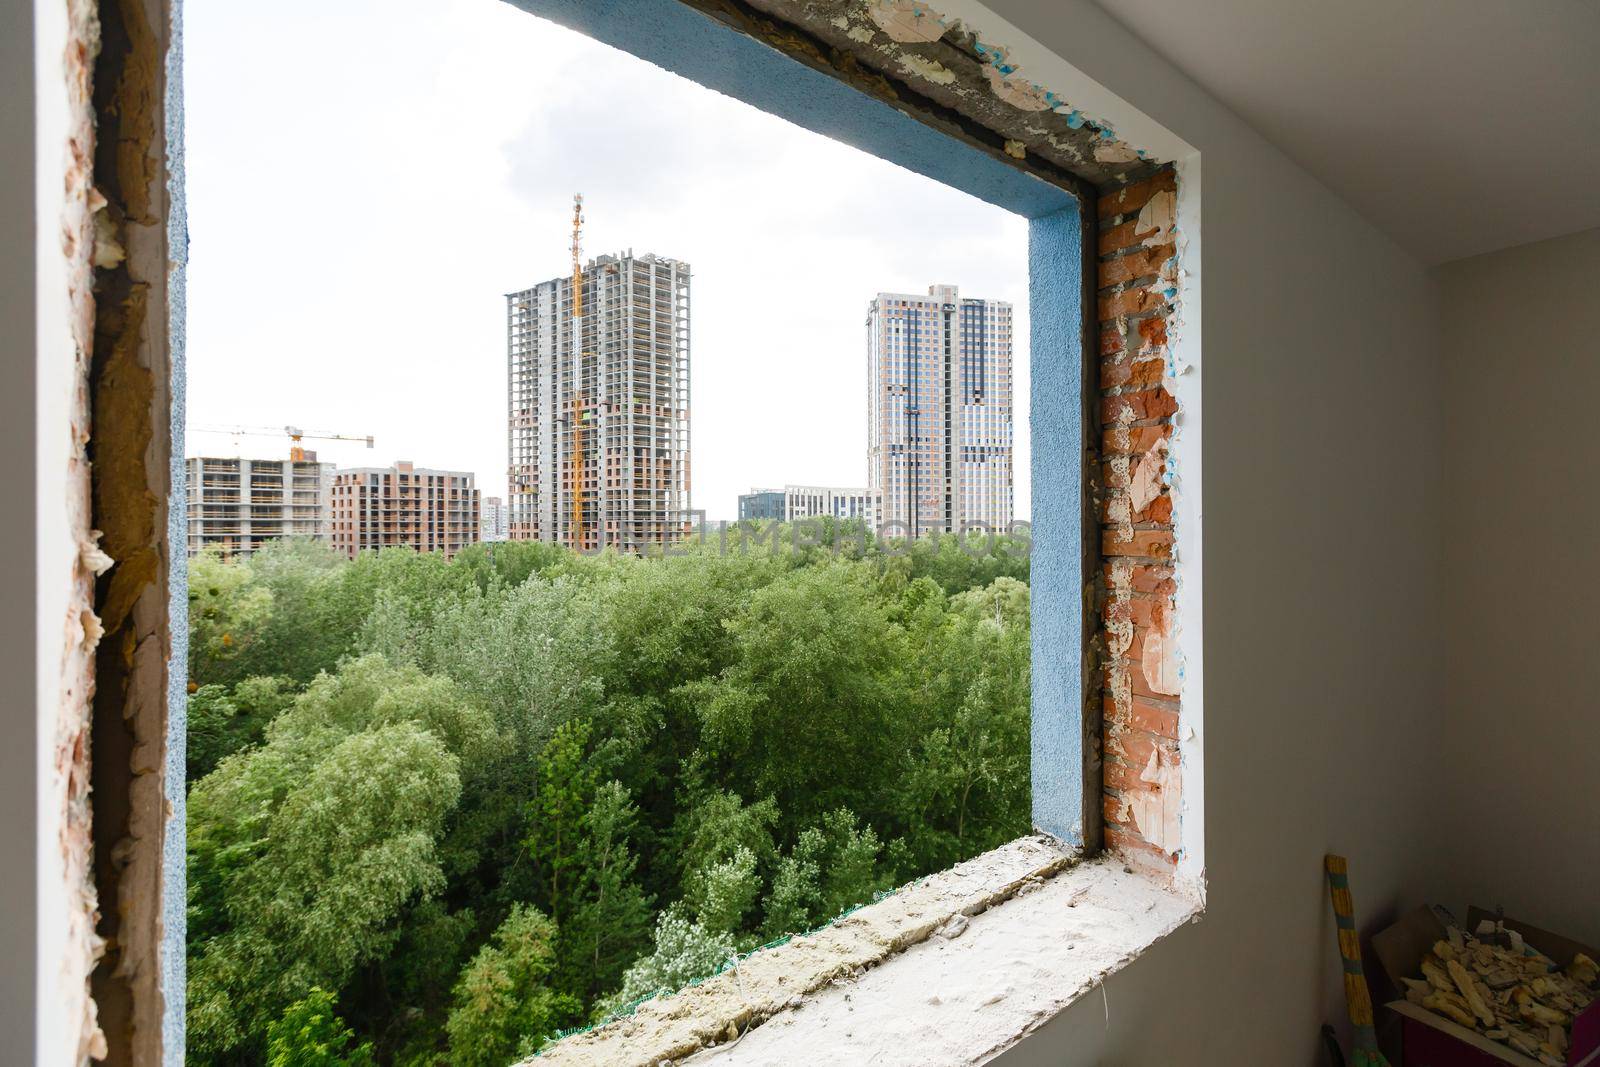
{"points": [[948, 971]]}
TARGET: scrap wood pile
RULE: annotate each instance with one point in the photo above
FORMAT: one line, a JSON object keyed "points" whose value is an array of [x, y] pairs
{"points": [[1509, 993]]}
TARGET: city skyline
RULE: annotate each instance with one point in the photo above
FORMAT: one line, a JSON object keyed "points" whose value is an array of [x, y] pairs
{"points": [[396, 326]]}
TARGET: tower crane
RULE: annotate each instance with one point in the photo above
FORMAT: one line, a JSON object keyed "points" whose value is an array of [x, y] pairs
{"points": [[297, 452]]}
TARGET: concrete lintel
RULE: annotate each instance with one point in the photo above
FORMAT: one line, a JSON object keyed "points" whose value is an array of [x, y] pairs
{"points": [[785, 70]]}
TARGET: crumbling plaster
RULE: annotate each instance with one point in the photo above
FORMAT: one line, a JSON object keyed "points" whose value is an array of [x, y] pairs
{"points": [[130, 452], [83, 244], [1140, 318], [920, 51]]}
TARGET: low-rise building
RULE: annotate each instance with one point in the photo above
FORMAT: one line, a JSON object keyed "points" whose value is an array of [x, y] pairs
{"points": [[403, 505], [761, 504], [236, 505], [794, 502]]}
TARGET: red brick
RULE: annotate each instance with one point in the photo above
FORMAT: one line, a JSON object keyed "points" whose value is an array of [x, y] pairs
{"points": [[1138, 853], [1135, 365], [1141, 439], [1153, 331], [1148, 579], [1138, 263], [1126, 842], [1112, 340], [1138, 372], [1158, 510], [1119, 237], [1136, 678], [1150, 612], [1122, 777], [1133, 748], [1148, 544], [1115, 811], [1154, 717], [1115, 372], [1154, 403], [1134, 301], [1130, 198]]}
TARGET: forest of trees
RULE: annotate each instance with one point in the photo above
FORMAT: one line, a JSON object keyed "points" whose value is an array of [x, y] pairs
{"points": [[439, 810]]}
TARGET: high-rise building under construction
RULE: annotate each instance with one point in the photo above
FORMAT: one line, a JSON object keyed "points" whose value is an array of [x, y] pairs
{"points": [[939, 412], [598, 434]]}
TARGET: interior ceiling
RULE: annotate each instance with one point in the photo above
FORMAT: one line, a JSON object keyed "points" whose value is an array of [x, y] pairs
{"points": [[1459, 126]]}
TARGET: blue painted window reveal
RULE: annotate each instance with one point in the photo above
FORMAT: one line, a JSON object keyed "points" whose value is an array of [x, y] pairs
{"points": [[671, 35]]}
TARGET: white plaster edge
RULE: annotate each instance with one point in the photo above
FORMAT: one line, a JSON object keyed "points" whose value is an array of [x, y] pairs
{"points": [[953, 1001], [59, 984], [1186, 386]]}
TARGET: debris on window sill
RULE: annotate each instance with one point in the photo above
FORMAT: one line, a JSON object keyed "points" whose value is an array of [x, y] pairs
{"points": [[948, 970]]}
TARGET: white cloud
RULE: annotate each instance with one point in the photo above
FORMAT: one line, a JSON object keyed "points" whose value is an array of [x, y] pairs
{"points": [[356, 224]]}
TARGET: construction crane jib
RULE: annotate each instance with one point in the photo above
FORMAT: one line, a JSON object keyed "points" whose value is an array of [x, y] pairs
{"points": [[297, 452]]}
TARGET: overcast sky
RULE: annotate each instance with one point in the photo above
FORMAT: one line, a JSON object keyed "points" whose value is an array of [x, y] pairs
{"points": [[368, 178]]}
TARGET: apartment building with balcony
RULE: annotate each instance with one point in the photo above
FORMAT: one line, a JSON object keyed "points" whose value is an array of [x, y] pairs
{"points": [[236, 505], [940, 421], [403, 506], [598, 406]]}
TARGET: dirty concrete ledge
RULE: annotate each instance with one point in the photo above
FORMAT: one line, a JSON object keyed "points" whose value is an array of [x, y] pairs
{"points": [[952, 1002], [879, 952]]}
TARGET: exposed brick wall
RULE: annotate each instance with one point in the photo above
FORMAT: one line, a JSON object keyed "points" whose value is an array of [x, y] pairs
{"points": [[1137, 304]]}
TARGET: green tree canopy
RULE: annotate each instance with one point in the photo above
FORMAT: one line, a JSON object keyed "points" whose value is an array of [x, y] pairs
{"points": [[311, 1034], [468, 802], [502, 1006]]}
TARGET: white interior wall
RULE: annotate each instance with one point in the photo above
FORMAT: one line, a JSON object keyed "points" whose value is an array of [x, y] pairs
{"points": [[1321, 610], [1521, 341], [38, 983]]}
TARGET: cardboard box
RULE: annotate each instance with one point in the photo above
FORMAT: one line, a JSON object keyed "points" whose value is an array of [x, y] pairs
{"points": [[1434, 1041]]}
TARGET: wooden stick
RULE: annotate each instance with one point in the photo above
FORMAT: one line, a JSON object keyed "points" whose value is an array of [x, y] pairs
{"points": [[1358, 1001]]}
